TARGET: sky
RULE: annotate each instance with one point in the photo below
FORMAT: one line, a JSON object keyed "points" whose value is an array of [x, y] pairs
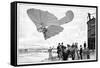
{"points": [[74, 31]]}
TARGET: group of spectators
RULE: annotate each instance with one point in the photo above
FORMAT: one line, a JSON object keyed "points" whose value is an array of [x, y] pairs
{"points": [[72, 51]]}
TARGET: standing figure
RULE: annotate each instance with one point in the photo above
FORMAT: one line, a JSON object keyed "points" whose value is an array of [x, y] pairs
{"points": [[86, 52], [89, 16], [81, 52], [76, 51], [50, 53], [58, 50], [67, 51], [64, 54], [73, 52], [63, 50]]}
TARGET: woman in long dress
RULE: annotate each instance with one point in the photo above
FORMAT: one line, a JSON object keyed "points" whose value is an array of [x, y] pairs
{"points": [[50, 53], [76, 52]]}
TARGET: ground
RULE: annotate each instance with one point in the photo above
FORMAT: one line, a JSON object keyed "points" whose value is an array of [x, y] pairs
{"points": [[31, 58]]}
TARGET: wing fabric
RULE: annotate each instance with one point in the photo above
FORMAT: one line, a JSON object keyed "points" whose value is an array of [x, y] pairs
{"points": [[68, 18], [51, 19], [52, 31], [34, 15], [46, 19], [41, 17]]}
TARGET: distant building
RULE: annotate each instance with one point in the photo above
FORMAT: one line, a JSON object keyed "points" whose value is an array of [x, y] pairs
{"points": [[91, 32]]}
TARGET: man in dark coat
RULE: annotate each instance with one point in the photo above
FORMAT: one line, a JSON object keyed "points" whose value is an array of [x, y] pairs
{"points": [[81, 51]]}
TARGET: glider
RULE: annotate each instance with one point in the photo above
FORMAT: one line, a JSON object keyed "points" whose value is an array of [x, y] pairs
{"points": [[47, 23]]}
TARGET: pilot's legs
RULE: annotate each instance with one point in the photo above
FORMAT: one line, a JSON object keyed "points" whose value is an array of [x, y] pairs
{"points": [[44, 33]]}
